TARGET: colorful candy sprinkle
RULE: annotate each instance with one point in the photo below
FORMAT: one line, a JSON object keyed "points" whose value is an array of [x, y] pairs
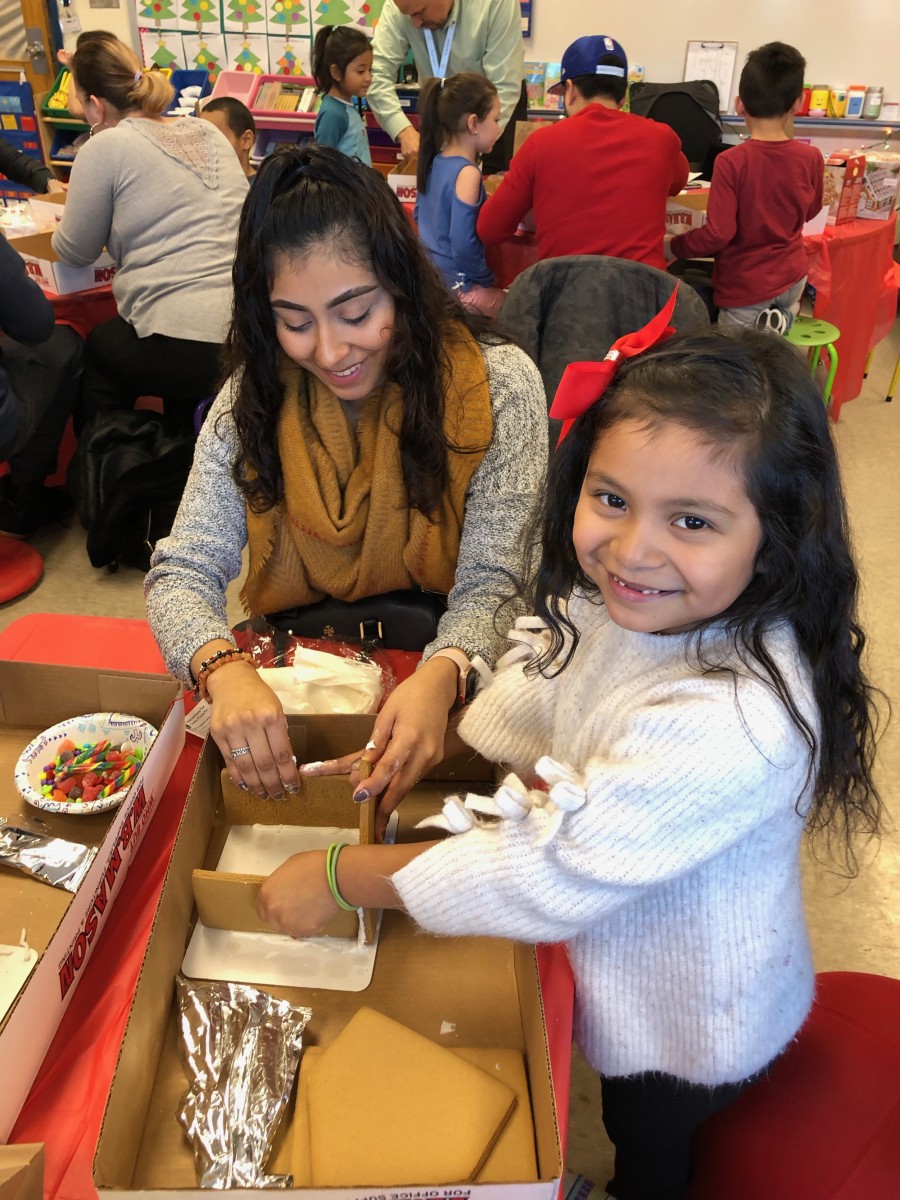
{"points": [[95, 771]]}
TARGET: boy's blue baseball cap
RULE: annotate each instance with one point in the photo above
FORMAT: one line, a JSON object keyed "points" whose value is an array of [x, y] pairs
{"points": [[582, 58]]}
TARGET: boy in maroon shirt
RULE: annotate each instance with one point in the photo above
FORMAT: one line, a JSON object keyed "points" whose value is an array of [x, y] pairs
{"points": [[763, 191]]}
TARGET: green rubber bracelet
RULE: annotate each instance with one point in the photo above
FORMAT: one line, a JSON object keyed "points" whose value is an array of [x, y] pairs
{"points": [[331, 859]]}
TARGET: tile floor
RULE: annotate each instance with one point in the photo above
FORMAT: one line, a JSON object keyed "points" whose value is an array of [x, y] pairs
{"points": [[855, 926]]}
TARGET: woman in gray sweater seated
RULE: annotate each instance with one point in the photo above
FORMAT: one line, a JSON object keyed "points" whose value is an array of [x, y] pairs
{"points": [[164, 196], [369, 442]]}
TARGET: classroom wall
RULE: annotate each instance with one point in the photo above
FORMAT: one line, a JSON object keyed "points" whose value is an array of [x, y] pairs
{"points": [[843, 41]]}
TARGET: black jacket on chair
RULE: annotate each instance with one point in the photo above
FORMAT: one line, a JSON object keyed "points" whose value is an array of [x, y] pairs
{"points": [[572, 309]]}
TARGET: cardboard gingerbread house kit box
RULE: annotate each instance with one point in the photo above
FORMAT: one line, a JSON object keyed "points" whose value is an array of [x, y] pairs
{"points": [[878, 197], [47, 210], [465, 1013], [48, 933], [45, 266], [687, 210], [844, 174], [402, 179]]}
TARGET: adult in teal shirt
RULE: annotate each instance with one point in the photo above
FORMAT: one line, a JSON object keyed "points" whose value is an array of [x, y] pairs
{"points": [[446, 37]]}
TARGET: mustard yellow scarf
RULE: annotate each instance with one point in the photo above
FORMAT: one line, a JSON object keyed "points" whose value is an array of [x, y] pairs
{"points": [[344, 528]]}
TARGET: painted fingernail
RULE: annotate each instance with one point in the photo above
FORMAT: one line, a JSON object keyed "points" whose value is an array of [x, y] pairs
{"points": [[263, 795], [245, 787], [276, 795], [292, 788], [361, 796]]}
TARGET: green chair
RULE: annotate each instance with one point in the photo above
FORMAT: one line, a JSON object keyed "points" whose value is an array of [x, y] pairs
{"points": [[812, 334]]}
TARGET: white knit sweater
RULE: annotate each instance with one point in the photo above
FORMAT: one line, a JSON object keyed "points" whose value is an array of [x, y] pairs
{"points": [[670, 862]]}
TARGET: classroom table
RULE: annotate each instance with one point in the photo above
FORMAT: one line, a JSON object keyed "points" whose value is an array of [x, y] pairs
{"points": [[64, 1109], [852, 268], [84, 310]]}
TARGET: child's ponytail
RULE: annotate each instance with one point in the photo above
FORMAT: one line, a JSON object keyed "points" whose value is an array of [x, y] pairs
{"points": [[432, 134], [444, 107]]}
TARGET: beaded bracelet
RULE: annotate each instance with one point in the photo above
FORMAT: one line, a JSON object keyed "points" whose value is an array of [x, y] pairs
{"points": [[331, 860], [219, 659]]}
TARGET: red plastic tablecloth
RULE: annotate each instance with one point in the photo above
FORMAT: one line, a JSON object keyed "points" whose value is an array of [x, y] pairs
{"points": [[83, 310], [856, 280], [64, 1109]]}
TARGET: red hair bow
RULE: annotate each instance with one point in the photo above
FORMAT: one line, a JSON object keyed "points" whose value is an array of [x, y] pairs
{"points": [[583, 383]]}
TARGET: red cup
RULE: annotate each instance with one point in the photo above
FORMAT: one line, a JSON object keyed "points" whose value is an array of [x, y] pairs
{"points": [[803, 110]]}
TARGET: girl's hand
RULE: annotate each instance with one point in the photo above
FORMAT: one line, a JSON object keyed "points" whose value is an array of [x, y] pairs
{"points": [[247, 716], [407, 741], [296, 899]]}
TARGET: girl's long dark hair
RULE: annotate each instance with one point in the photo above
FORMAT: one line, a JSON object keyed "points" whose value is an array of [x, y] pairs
{"points": [[444, 105], [336, 46], [315, 198], [749, 391]]}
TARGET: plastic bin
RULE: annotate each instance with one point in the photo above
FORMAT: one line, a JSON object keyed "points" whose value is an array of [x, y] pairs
{"points": [[234, 83], [181, 79], [286, 118]]}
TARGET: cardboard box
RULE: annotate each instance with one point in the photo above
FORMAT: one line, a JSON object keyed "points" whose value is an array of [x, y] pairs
{"points": [[47, 210], [60, 926], [844, 173], [475, 992], [402, 179], [22, 1172], [878, 197], [687, 210], [47, 268]]}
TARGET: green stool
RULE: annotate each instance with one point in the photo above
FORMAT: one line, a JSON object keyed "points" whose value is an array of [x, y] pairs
{"points": [[812, 334]]}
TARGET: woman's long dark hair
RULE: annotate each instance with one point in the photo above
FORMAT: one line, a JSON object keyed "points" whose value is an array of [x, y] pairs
{"points": [[310, 198], [444, 105], [750, 391]]}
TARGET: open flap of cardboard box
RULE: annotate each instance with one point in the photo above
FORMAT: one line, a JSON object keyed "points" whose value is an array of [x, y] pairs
{"points": [[22, 1172], [458, 992], [62, 928]]}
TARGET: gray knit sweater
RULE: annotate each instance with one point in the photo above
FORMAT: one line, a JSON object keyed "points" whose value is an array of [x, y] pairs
{"points": [[666, 854], [165, 198], [185, 588]]}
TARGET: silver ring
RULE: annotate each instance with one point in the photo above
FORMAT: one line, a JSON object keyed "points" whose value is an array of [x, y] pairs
{"points": [[239, 751]]}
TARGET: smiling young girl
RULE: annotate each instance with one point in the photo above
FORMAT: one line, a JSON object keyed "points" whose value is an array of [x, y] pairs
{"points": [[368, 442], [459, 122], [690, 692], [342, 68]]}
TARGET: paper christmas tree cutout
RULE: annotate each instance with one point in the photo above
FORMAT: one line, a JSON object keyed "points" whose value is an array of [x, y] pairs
{"points": [[369, 12], [290, 13], [247, 61], [163, 56], [246, 11], [201, 12], [333, 12], [289, 63], [158, 10], [207, 61]]}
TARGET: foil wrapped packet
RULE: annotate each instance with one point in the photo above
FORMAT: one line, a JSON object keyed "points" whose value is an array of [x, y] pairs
{"points": [[240, 1047], [53, 860]]}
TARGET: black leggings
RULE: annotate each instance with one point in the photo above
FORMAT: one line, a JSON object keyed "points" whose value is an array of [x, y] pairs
{"points": [[497, 159], [120, 366], [651, 1119]]}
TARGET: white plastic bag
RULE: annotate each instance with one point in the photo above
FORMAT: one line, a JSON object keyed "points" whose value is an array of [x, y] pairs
{"points": [[325, 683]]}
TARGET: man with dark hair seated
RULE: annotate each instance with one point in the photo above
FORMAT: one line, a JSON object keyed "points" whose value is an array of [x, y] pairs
{"points": [[598, 181], [40, 367]]}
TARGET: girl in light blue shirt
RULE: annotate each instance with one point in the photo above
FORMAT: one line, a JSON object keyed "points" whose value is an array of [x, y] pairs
{"points": [[342, 67]]}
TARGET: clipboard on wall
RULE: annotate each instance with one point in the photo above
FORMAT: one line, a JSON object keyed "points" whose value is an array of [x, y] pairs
{"points": [[715, 61]]}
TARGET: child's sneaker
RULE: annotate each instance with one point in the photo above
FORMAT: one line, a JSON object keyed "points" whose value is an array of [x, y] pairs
{"points": [[773, 319]]}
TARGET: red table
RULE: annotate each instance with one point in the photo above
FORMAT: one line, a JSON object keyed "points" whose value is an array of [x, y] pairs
{"points": [[83, 310], [852, 268], [65, 1106]]}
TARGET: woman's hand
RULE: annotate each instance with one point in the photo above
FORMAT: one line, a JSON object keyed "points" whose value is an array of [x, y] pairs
{"points": [[249, 727], [407, 741], [296, 899]]}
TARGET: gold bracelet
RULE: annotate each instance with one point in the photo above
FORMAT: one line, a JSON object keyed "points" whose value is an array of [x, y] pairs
{"points": [[213, 664]]}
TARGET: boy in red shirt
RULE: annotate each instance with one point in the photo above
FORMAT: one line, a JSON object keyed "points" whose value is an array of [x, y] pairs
{"points": [[763, 191]]}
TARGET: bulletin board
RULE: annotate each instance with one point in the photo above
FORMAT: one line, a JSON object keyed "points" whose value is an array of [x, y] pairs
{"points": [[261, 37]]}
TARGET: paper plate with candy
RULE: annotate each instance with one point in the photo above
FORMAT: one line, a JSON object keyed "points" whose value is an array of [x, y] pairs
{"points": [[83, 765]]}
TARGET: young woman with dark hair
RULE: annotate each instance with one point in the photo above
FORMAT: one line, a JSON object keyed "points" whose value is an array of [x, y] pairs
{"points": [[369, 441]]}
